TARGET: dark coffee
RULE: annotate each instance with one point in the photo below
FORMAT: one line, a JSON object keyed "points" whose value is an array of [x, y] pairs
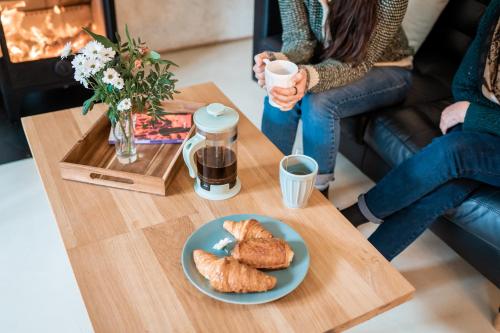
{"points": [[216, 166]]}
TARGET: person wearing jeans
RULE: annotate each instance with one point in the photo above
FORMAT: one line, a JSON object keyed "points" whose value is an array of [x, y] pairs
{"points": [[445, 173], [440, 177], [321, 114], [353, 57]]}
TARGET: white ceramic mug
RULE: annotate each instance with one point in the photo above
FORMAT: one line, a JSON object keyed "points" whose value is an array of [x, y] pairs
{"points": [[297, 177], [279, 73]]}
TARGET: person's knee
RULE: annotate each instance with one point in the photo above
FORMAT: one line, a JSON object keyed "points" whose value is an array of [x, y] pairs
{"points": [[453, 150], [321, 105]]}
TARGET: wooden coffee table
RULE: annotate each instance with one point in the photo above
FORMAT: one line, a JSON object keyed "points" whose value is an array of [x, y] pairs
{"points": [[125, 246]]}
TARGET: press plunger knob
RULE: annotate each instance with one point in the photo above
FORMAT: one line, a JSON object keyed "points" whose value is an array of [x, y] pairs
{"points": [[215, 109]]}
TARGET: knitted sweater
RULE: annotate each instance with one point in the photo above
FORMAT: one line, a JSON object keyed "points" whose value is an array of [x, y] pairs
{"points": [[303, 22], [482, 115]]}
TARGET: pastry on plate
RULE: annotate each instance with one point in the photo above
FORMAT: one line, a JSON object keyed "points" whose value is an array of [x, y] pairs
{"points": [[246, 229], [229, 275], [266, 253]]}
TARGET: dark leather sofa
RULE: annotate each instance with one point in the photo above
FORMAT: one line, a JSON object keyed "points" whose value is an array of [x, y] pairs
{"points": [[382, 139]]}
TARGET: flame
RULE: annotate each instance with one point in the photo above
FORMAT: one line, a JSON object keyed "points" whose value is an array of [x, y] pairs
{"points": [[37, 42]]}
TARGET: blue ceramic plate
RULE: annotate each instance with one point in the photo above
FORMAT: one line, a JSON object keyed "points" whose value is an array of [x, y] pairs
{"points": [[288, 279]]}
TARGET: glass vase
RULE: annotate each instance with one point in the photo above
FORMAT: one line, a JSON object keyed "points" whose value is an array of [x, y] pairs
{"points": [[123, 130]]}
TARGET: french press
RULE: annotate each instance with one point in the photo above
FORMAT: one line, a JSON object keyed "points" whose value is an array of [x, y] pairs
{"points": [[210, 154]]}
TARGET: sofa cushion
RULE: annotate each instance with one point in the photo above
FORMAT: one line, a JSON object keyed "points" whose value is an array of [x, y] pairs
{"points": [[420, 18], [398, 133], [480, 215], [426, 88]]}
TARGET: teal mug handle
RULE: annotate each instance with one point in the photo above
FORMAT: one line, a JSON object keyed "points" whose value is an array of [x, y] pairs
{"points": [[190, 148]]}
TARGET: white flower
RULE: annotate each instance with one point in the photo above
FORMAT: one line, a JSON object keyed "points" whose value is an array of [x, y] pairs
{"points": [[92, 49], [92, 66], [110, 76], [78, 62], [106, 54], [79, 76], [119, 83], [125, 104], [66, 51]]}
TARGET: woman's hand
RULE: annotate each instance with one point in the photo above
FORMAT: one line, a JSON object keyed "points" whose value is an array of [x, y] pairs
{"points": [[286, 98], [259, 67], [453, 115]]}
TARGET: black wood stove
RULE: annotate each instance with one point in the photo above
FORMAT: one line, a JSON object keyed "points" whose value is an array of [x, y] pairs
{"points": [[32, 35]]}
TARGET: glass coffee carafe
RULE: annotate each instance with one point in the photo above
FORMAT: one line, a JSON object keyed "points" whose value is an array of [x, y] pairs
{"points": [[210, 154]]}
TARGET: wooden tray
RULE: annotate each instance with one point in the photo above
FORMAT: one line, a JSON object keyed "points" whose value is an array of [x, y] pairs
{"points": [[92, 159]]}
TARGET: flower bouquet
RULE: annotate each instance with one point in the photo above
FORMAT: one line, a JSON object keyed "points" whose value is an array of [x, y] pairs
{"points": [[129, 78]]}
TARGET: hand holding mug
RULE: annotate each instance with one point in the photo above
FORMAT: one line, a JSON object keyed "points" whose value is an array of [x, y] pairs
{"points": [[281, 73], [260, 66], [286, 98]]}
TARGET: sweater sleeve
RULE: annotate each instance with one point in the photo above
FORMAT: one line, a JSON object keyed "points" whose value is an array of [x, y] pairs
{"points": [[481, 118], [298, 40], [332, 73], [482, 115]]}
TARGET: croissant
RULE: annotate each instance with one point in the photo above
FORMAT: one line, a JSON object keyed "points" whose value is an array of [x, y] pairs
{"points": [[247, 229], [228, 275], [267, 253]]}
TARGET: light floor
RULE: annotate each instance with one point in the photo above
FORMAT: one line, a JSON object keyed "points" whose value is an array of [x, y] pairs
{"points": [[38, 292]]}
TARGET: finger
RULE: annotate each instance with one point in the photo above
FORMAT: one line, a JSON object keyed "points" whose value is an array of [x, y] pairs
{"points": [[280, 104], [257, 72], [261, 83], [287, 107], [283, 98], [258, 60], [260, 76], [284, 104], [443, 127], [451, 123], [258, 69], [298, 77], [284, 91]]}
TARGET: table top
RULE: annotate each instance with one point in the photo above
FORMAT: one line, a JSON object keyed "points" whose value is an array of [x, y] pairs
{"points": [[125, 247]]}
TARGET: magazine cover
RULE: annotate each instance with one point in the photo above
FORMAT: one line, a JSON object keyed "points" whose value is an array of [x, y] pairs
{"points": [[173, 129]]}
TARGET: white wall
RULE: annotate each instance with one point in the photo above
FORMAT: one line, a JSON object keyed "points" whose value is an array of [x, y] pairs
{"points": [[173, 24]]}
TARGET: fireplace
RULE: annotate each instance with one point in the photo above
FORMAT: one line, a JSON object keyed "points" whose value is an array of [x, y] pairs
{"points": [[32, 35]]}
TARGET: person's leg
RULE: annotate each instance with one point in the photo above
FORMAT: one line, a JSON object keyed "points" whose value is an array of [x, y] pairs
{"points": [[321, 113], [280, 126], [459, 154], [400, 229]]}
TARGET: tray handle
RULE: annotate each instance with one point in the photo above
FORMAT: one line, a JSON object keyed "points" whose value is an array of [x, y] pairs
{"points": [[110, 179]]}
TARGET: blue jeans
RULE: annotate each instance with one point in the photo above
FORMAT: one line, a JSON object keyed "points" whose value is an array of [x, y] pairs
{"points": [[422, 188], [321, 114]]}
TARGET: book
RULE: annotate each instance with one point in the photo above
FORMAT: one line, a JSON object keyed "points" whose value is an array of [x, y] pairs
{"points": [[174, 128]]}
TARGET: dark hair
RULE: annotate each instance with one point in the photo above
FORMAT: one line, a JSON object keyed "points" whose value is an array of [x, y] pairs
{"points": [[351, 23]]}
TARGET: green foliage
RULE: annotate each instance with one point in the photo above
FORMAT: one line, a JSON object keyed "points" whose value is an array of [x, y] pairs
{"points": [[147, 79], [88, 104], [101, 39]]}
